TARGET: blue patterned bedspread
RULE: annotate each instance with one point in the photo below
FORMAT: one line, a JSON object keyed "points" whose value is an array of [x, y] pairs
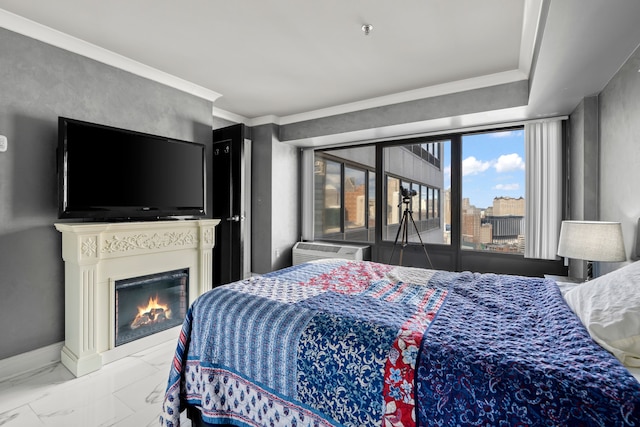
{"points": [[345, 343]]}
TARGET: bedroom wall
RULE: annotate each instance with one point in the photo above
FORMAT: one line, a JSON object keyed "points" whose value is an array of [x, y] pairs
{"points": [[275, 200], [583, 152], [261, 198], [620, 153], [285, 208], [583, 164], [39, 83]]}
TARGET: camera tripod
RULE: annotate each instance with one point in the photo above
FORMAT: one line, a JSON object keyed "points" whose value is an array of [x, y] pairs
{"points": [[407, 216]]}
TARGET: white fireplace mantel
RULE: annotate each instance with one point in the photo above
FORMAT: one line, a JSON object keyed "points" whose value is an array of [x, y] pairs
{"points": [[98, 254]]}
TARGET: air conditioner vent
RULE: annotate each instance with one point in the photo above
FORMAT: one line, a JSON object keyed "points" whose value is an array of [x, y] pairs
{"points": [[310, 251], [317, 247]]}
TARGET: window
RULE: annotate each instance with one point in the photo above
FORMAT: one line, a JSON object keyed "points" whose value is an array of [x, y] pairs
{"points": [[372, 200], [328, 200], [493, 185], [344, 197], [436, 203], [424, 202], [413, 178], [416, 179], [354, 198], [415, 199], [393, 200]]}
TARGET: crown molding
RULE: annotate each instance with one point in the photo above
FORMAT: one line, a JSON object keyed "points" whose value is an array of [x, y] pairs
{"points": [[530, 31], [56, 38], [263, 120], [397, 98], [237, 118], [227, 115]]}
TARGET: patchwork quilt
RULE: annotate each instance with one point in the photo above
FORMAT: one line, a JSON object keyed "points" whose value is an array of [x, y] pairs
{"points": [[352, 343]]}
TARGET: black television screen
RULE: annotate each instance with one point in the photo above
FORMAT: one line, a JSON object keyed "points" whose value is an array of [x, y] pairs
{"points": [[111, 173]]}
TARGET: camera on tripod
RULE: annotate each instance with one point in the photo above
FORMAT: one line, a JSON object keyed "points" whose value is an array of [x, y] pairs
{"points": [[403, 229], [407, 194]]}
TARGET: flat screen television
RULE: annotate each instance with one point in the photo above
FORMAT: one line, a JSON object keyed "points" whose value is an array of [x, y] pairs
{"points": [[106, 173]]}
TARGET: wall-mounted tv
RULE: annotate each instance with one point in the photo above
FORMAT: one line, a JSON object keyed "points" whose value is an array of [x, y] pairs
{"points": [[106, 173]]}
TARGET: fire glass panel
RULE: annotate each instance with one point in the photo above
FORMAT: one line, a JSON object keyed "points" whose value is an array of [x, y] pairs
{"points": [[149, 304]]}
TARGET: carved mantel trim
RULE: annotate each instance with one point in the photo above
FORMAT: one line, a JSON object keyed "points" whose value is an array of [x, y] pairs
{"points": [[109, 240]]}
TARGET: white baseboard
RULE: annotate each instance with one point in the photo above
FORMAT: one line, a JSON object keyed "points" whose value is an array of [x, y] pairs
{"points": [[25, 362]]}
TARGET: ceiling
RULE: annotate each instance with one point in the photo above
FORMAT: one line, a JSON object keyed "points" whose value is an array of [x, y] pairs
{"points": [[287, 60]]}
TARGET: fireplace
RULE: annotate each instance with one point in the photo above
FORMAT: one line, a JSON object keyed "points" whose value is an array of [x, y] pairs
{"points": [[112, 268], [149, 304]]}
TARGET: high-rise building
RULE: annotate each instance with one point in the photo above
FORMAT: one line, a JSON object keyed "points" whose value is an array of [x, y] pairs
{"points": [[471, 222], [508, 206], [486, 233], [354, 203], [506, 228], [497, 228], [447, 206]]}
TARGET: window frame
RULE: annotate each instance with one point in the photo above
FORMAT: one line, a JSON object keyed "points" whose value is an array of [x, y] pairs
{"points": [[447, 256], [345, 163]]}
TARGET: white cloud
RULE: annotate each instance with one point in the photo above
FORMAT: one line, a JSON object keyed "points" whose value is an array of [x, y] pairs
{"points": [[509, 162], [507, 187], [473, 166]]}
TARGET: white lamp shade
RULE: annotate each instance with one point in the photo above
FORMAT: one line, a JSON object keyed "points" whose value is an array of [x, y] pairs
{"points": [[592, 241]]}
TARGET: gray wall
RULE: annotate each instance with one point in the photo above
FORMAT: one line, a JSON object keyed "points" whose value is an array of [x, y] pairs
{"points": [[583, 164], [275, 199], [38, 83], [285, 209], [584, 160], [605, 147], [261, 214], [620, 152]]}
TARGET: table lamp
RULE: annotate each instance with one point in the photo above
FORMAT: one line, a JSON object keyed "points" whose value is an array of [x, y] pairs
{"points": [[592, 241]]}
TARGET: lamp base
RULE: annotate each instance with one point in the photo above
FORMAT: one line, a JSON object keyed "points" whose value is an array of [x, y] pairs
{"points": [[589, 271]]}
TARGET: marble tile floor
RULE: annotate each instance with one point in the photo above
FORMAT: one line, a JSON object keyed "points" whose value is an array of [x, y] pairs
{"points": [[124, 393]]}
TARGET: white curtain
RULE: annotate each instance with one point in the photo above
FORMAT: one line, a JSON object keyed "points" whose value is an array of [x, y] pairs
{"points": [[543, 196], [306, 197]]}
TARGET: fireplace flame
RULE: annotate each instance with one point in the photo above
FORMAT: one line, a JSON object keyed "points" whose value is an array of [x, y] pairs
{"points": [[153, 312]]}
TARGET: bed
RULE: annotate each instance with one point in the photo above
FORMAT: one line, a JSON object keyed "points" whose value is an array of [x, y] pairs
{"points": [[357, 343]]}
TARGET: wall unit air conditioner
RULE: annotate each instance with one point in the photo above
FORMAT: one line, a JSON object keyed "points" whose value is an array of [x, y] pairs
{"points": [[309, 251]]}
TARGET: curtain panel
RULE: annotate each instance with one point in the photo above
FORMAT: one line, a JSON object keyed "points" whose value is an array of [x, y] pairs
{"points": [[543, 193]]}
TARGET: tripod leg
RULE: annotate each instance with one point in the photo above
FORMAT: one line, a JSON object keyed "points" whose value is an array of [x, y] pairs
{"points": [[395, 242], [420, 239], [404, 237], [401, 228]]}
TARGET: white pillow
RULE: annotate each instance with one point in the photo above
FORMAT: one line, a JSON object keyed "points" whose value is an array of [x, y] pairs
{"points": [[609, 307]]}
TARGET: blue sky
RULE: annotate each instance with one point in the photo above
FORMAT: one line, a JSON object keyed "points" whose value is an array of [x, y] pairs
{"points": [[492, 166]]}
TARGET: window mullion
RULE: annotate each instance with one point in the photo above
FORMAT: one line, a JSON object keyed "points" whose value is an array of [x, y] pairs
{"points": [[456, 198], [343, 209]]}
